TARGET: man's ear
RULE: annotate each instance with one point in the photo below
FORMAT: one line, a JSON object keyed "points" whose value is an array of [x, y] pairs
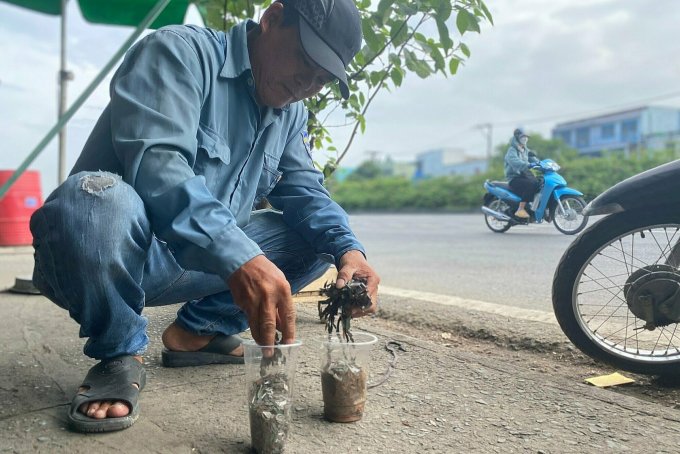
{"points": [[272, 17]]}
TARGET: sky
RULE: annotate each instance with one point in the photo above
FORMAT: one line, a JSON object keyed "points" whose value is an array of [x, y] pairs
{"points": [[543, 62]]}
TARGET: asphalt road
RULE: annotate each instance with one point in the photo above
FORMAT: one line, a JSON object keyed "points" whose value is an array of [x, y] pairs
{"points": [[457, 255]]}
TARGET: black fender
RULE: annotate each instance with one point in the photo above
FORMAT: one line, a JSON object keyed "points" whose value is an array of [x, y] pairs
{"points": [[550, 209]]}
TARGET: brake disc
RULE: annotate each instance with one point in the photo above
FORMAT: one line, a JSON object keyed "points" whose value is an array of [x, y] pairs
{"points": [[653, 295]]}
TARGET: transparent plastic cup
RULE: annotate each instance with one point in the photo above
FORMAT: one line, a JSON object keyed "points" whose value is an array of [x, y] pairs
{"points": [[270, 375], [344, 375]]}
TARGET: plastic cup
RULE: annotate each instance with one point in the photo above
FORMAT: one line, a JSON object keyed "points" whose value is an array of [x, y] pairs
{"points": [[270, 374], [344, 376]]}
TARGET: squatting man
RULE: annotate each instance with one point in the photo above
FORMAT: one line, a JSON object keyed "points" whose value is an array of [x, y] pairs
{"points": [[158, 209]]}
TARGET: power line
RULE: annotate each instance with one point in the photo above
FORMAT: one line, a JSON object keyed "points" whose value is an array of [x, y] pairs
{"points": [[534, 120]]}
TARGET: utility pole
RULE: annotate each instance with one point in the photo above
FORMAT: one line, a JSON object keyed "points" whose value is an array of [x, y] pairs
{"points": [[487, 130], [64, 77]]}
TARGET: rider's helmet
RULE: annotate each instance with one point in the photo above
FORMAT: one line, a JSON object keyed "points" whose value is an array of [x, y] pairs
{"points": [[519, 133]]}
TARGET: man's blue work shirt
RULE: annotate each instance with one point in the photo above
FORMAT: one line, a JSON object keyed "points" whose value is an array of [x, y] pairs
{"points": [[183, 129]]}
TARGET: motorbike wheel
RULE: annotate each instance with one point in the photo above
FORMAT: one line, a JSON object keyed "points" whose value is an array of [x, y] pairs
{"points": [[572, 221], [496, 225], [604, 283]]}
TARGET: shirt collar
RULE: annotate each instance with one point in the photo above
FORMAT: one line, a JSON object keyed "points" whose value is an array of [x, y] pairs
{"points": [[237, 60]]}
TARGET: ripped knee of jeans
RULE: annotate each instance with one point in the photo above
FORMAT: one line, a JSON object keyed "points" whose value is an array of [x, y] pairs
{"points": [[97, 183]]}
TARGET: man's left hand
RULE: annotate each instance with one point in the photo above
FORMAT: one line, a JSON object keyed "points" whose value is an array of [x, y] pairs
{"points": [[353, 264]]}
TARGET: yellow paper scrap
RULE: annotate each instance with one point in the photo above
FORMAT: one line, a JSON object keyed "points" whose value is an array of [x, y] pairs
{"points": [[604, 381]]}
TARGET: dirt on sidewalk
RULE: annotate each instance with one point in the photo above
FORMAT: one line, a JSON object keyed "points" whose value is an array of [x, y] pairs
{"points": [[536, 346]]}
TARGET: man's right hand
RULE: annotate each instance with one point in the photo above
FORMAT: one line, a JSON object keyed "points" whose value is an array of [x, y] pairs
{"points": [[261, 290]]}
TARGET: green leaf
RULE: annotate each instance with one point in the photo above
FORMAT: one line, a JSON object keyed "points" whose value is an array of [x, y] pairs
{"points": [[453, 65], [465, 49], [354, 102], [466, 21], [362, 123], [444, 37], [406, 8], [420, 67], [474, 24], [384, 8], [394, 59], [486, 11], [410, 60], [328, 169], [373, 41], [423, 69], [399, 33], [419, 37], [377, 77], [377, 19], [439, 63], [397, 76], [443, 10], [462, 21]]}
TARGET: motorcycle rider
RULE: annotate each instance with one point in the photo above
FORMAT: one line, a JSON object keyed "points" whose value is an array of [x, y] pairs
{"points": [[518, 161]]}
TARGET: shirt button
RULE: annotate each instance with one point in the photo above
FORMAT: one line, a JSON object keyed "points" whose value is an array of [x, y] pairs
{"points": [[250, 81]]}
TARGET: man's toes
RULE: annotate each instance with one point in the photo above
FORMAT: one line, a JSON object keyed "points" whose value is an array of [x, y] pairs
{"points": [[118, 410], [90, 408], [238, 351], [101, 412]]}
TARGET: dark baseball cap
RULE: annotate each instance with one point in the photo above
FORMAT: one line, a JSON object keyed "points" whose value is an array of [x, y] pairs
{"points": [[330, 32]]}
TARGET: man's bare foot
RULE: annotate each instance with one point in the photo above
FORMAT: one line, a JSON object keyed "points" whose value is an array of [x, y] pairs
{"points": [[107, 408], [177, 339]]}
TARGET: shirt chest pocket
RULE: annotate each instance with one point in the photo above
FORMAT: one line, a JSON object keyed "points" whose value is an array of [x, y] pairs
{"points": [[212, 160], [269, 177]]}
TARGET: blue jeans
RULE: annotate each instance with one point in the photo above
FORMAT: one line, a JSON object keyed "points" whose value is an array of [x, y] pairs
{"points": [[96, 255]]}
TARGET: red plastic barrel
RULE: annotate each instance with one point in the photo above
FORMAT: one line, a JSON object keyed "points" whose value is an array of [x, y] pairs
{"points": [[17, 206]]}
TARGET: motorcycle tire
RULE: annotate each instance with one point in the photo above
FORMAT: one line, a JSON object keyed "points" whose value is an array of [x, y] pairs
{"points": [[557, 219], [492, 223], [608, 243]]}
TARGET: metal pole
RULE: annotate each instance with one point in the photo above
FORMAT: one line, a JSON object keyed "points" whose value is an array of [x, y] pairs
{"points": [[63, 80], [153, 14], [489, 144], [487, 130]]}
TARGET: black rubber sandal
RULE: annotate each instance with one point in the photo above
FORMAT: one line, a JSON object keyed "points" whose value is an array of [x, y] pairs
{"points": [[110, 380], [216, 352]]}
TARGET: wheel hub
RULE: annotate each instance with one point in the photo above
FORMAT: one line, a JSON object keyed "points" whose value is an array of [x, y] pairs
{"points": [[570, 214], [653, 295]]}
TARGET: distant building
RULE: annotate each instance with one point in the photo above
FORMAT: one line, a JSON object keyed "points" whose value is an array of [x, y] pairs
{"points": [[403, 169], [644, 127], [447, 161]]}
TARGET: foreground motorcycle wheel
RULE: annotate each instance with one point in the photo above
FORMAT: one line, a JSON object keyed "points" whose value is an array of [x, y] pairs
{"points": [[572, 220], [616, 291], [496, 225]]}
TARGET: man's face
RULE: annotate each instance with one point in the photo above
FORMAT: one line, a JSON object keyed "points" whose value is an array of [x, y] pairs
{"points": [[283, 72]]}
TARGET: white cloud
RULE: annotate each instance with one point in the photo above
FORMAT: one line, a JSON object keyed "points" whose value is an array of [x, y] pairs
{"points": [[539, 60]]}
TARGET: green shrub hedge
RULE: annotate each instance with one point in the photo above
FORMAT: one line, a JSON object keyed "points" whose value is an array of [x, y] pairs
{"points": [[457, 193]]}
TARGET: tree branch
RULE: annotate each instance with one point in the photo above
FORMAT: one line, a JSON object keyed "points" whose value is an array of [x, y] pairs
{"points": [[379, 86], [360, 70]]}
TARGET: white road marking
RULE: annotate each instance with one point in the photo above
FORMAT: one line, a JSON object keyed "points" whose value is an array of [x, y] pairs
{"points": [[476, 305]]}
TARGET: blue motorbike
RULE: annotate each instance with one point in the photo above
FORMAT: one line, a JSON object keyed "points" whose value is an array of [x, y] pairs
{"points": [[554, 202]]}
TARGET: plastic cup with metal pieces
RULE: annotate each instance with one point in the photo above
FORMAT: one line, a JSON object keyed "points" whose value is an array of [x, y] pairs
{"points": [[270, 375]]}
